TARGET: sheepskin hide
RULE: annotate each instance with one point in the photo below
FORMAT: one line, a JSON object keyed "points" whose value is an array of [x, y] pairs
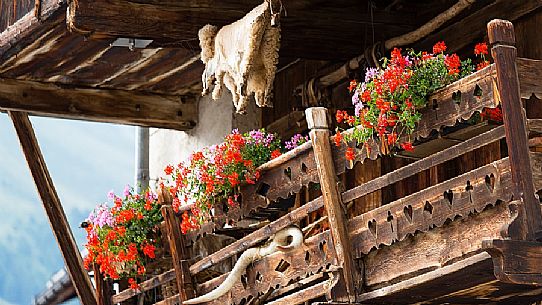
{"points": [[243, 56]]}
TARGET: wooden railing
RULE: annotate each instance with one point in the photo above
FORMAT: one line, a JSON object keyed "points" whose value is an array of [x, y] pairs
{"points": [[334, 259]]}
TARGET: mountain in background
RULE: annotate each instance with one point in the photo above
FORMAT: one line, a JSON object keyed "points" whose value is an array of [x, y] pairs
{"points": [[86, 161]]}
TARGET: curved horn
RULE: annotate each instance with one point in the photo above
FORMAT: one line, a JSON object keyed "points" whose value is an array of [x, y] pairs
{"points": [[278, 243]]}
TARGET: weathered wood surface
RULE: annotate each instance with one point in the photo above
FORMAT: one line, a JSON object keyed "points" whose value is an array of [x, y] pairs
{"points": [[424, 164], [113, 106], [435, 248], [317, 119], [53, 208], [515, 261], [529, 71], [320, 25], [316, 255], [431, 207], [29, 28], [307, 294], [289, 125], [104, 287], [467, 281], [257, 236], [502, 37], [11, 11], [149, 284], [179, 254], [466, 29], [42, 49]]}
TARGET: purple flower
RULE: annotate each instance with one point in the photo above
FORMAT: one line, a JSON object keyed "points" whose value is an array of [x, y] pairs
{"points": [[370, 74], [269, 139], [355, 97], [127, 189], [358, 106], [295, 141], [256, 136], [111, 195], [101, 216]]}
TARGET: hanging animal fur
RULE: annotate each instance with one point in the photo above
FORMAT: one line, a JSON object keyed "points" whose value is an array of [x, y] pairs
{"points": [[279, 242], [243, 56]]}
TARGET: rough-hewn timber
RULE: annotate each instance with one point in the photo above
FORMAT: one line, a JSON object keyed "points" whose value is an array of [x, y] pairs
{"points": [[101, 105], [53, 208]]}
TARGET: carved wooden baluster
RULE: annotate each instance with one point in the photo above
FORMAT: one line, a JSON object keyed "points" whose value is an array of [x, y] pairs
{"points": [[178, 254], [502, 38], [104, 287], [319, 134]]}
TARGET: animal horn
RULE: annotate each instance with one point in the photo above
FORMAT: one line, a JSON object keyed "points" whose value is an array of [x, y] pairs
{"points": [[278, 243]]}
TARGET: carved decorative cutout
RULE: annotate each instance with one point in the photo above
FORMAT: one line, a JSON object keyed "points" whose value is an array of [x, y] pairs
{"points": [[313, 257], [429, 208]]}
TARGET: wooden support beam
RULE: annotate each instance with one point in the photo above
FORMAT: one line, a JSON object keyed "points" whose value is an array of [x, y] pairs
{"points": [[502, 38], [516, 261], [317, 119], [53, 208], [104, 287], [100, 105], [322, 25], [178, 254], [466, 30]]}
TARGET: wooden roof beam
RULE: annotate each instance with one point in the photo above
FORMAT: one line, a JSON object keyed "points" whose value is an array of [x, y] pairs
{"points": [[320, 25], [53, 208], [464, 32], [99, 105]]}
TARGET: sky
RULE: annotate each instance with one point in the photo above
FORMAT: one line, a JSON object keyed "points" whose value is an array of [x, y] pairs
{"points": [[86, 161]]}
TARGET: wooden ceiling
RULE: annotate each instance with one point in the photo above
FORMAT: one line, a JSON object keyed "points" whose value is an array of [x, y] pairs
{"points": [[315, 29]]}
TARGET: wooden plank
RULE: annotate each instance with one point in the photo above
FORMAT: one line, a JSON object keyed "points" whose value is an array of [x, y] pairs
{"points": [[316, 255], [479, 264], [424, 164], [145, 286], [320, 137], [502, 38], [469, 193], [435, 248], [304, 295], [257, 236], [53, 208], [289, 125], [515, 261], [29, 28], [529, 71], [178, 254], [104, 287], [321, 25], [101, 105], [465, 30]]}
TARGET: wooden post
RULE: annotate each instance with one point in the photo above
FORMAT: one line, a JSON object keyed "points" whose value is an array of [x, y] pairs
{"points": [[178, 254], [53, 208], [345, 290], [104, 287], [502, 38]]}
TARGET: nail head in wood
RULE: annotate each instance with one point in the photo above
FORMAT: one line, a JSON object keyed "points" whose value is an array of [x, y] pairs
{"points": [[317, 118]]}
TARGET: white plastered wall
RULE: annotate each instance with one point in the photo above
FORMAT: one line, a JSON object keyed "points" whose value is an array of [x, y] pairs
{"points": [[216, 119]]}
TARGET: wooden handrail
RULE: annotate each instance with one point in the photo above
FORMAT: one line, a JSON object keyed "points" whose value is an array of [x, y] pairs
{"points": [[257, 236], [423, 164]]}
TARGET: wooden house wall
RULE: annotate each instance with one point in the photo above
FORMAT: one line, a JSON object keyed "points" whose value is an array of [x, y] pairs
{"points": [[13, 10], [303, 70]]}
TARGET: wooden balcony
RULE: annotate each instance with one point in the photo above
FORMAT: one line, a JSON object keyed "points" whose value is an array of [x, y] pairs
{"points": [[470, 239]]}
